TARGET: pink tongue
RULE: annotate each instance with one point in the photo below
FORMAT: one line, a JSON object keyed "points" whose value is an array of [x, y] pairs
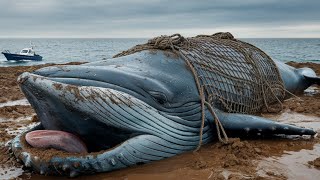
{"points": [[56, 139]]}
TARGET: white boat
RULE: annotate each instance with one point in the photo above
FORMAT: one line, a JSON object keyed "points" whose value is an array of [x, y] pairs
{"points": [[25, 54]]}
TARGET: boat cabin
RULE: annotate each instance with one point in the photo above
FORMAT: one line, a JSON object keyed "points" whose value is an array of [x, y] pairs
{"points": [[27, 52]]}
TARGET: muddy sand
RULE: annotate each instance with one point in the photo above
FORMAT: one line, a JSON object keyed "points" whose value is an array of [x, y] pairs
{"points": [[276, 158]]}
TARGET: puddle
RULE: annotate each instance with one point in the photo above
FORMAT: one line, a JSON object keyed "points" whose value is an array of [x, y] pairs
{"points": [[10, 169], [311, 91], [290, 117], [23, 102], [293, 165], [8, 172], [228, 174]]}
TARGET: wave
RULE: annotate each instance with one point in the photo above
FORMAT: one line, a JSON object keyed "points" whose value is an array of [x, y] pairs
{"points": [[302, 61], [314, 60], [309, 60]]}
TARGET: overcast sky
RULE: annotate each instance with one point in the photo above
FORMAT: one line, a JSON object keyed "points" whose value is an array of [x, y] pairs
{"points": [[148, 18]]}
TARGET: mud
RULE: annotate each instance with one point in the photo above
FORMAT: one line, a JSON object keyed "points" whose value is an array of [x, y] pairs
{"points": [[315, 163], [276, 158], [9, 89], [15, 111]]}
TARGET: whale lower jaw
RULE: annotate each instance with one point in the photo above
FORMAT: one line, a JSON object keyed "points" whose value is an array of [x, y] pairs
{"points": [[134, 151]]}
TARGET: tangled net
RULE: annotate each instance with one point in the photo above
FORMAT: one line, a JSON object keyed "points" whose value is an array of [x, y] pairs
{"points": [[231, 75]]}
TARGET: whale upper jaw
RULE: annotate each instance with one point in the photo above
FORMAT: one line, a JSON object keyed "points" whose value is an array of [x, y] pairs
{"points": [[86, 111]]}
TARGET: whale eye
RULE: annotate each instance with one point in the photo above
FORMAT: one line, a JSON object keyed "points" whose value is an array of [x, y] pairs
{"points": [[159, 97]]}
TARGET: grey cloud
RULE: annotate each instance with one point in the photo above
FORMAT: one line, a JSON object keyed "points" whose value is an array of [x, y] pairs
{"points": [[100, 17]]}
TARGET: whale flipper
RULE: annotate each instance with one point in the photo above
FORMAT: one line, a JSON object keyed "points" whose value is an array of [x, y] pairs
{"points": [[247, 125]]}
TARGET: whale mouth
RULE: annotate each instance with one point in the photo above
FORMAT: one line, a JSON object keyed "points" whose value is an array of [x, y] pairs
{"points": [[79, 119]]}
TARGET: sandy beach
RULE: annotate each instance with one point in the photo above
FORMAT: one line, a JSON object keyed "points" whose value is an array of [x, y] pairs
{"points": [[277, 158]]}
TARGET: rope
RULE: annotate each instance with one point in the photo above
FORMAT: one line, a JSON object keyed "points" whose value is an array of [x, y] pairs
{"points": [[203, 103], [219, 125], [203, 117]]}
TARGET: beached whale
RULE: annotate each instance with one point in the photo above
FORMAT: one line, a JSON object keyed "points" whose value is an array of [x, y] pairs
{"points": [[133, 110]]}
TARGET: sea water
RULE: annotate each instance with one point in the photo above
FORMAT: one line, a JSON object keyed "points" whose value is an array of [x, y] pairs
{"points": [[89, 50]]}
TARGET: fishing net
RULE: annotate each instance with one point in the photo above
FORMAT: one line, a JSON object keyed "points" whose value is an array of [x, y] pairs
{"points": [[230, 75], [235, 76]]}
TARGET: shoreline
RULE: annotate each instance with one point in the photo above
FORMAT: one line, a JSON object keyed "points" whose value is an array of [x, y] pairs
{"points": [[239, 159]]}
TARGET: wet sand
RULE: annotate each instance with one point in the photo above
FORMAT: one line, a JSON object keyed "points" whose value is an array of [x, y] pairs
{"points": [[277, 158]]}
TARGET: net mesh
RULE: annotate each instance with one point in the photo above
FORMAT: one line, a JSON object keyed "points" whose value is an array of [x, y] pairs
{"points": [[235, 76]]}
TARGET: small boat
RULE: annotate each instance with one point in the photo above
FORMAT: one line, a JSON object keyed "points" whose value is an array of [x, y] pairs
{"points": [[25, 54]]}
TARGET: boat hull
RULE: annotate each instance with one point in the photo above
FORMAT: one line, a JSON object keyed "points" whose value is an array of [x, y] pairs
{"points": [[18, 57]]}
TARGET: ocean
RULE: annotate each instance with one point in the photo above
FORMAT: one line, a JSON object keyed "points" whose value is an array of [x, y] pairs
{"points": [[89, 50]]}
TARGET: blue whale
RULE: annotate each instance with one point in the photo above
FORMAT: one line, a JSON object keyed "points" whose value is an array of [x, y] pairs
{"points": [[132, 110]]}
